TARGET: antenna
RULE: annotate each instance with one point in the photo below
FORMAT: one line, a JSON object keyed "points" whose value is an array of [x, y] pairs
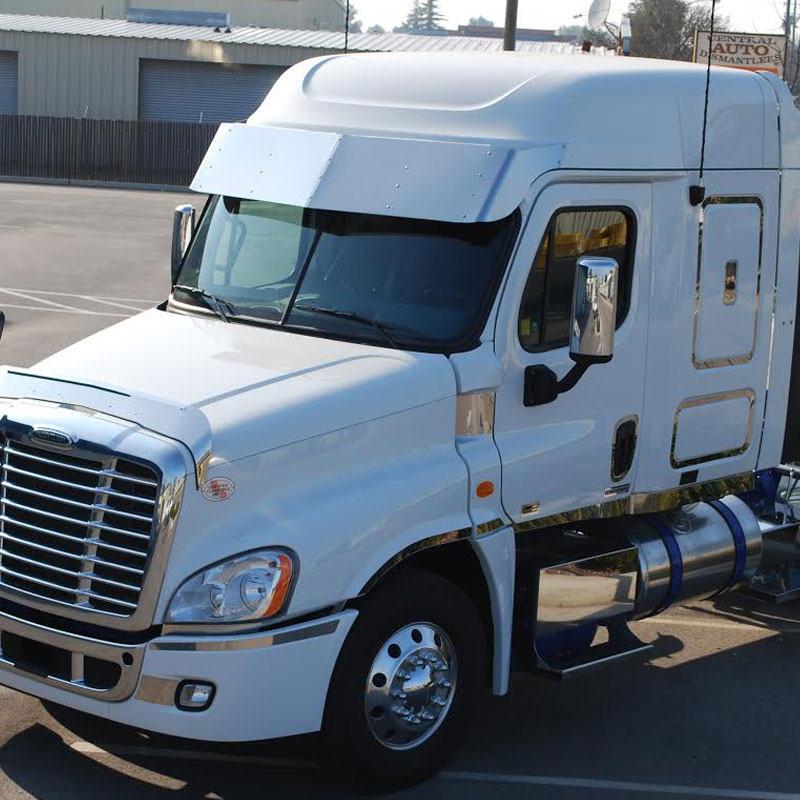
{"points": [[698, 193], [598, 14], [347, 27]]}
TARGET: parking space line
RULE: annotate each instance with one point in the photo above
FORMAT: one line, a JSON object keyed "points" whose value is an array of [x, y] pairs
{"points": [[619, 786], [105, 302], [27, 296], [90, 297], [65, 310], [727, 626]]}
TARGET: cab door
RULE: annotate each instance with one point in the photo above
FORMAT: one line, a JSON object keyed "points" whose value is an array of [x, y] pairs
{"points": [[581, 449]]}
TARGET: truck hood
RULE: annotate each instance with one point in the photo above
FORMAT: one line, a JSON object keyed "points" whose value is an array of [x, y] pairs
{"points": [[258, 388]]}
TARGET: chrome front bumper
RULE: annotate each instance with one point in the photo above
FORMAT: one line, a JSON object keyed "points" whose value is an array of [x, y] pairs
{"points": [[268, 684], [76, 664]]}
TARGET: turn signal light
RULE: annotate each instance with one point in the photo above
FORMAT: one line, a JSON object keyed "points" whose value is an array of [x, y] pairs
{"points": [[485, 489]]}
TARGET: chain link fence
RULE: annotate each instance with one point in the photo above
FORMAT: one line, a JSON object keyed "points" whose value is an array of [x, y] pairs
{"points": [[123, 151]]}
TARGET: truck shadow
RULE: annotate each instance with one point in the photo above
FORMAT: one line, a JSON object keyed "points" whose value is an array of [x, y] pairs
{"points": [[682, 718]]}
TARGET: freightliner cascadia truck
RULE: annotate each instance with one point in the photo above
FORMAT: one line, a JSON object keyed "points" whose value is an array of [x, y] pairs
{"points": [[466, 365]]}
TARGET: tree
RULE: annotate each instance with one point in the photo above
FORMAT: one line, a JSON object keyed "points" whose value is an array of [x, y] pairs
{"points": [[376, 29], [432, 17], [665, 28], [413, 21], [580, 34], [356, 25], [481, 22], [424, 16]]}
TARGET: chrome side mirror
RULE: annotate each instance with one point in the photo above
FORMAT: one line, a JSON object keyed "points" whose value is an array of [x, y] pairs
{"points": [[182, 230], [592, 328], [594, 310]]}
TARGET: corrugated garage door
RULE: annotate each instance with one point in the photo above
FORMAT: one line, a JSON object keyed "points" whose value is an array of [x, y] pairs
{"points": [[191, 91], [9, 80]]}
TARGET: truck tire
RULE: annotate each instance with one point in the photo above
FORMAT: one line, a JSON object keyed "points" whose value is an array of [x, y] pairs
{"points": [[406, 683]]}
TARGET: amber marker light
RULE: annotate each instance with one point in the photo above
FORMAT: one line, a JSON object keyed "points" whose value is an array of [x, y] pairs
{"points": [[485, 489]]}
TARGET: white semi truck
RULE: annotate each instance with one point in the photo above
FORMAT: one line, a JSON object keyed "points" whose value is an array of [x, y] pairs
{"points": [[465, 366]]}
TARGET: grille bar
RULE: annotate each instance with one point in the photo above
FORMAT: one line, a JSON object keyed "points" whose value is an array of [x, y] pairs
{"points": [[57, 587], [75, 527], [72, 520], [99, 472], [76, 503], [81, 486], [68, 572], [76, 539], [64, 554]]}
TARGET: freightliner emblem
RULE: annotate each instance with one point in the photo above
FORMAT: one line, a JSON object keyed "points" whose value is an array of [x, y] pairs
{"points": [[53, 437]]}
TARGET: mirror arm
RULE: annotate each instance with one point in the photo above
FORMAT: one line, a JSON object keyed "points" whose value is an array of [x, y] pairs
{"points": [[542, 385], [570, 380]]}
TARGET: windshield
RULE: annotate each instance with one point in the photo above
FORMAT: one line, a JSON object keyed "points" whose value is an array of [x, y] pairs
{"points": [[398, 282]]}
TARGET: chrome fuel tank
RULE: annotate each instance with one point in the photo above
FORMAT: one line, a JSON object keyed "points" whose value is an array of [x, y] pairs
{"points": [[693, 553]]}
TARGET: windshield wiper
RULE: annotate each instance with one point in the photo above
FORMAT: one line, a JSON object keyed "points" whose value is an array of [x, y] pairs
{"points": [[384, 330], [212, 301]]}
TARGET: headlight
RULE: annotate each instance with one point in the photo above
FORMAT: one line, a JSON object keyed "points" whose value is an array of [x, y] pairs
{"points": [[249, 587]]}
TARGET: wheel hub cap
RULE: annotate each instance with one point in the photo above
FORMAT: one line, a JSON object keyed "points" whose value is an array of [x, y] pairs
{"points": [[410, 686]]}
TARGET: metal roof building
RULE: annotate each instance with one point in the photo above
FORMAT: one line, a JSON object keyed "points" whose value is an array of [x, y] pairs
{"points": [[112, 69]]}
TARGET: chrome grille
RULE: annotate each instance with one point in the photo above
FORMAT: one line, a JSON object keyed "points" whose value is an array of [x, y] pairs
{"points": [[75, 529]]}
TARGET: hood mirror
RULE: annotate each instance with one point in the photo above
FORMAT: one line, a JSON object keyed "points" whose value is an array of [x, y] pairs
{"points": [[2, 323], [182, 231]]}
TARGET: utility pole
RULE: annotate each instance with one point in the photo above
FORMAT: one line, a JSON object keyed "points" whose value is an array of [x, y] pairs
{"points": [[788, 32], [510, 39]]}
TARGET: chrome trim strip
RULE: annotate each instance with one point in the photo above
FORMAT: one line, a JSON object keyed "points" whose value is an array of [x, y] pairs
{"points": [[746, 357], [653, 502], [80, 648], [249, 642], [431, 541], [647, 502], [489, 527], [704, 400], [475, 414], [159, 691]]}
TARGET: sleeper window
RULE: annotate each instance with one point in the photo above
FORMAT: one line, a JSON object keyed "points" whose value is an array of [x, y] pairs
{"points": [[547, 300]]}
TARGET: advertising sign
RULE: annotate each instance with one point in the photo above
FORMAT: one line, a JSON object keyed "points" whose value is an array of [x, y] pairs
{"points": [[755, 51]]}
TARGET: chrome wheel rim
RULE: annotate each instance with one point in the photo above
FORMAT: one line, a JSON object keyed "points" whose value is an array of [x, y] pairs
{"points": [[410, 686]]}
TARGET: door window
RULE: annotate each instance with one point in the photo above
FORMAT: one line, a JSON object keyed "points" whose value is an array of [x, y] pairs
{"points": [[547, 300]]}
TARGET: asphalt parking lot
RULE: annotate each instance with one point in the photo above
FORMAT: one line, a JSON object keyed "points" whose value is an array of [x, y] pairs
{"points": [[713, 713]]}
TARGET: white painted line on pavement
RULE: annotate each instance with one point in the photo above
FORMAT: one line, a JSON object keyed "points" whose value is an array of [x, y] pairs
{"points": [[728, 626], [65, 311], [28, 296], [102, 301], [93, 297], [87, 748], [619, 786]]}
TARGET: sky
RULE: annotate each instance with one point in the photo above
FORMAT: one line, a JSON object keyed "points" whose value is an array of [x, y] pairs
{"points": [[758, 16]]}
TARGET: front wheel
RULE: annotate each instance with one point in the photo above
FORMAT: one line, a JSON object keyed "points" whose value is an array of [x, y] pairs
{"points": [[406, 683]]}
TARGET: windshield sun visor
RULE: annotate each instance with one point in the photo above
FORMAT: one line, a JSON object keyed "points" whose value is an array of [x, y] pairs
{"points": [[413, 178]]}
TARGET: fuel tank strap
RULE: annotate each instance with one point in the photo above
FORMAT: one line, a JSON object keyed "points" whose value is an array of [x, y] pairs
{"points": [[739, 541], [675, 562]]}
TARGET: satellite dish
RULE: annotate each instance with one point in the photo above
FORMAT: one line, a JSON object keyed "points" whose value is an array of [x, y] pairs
{"points": [[598, 13]]}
